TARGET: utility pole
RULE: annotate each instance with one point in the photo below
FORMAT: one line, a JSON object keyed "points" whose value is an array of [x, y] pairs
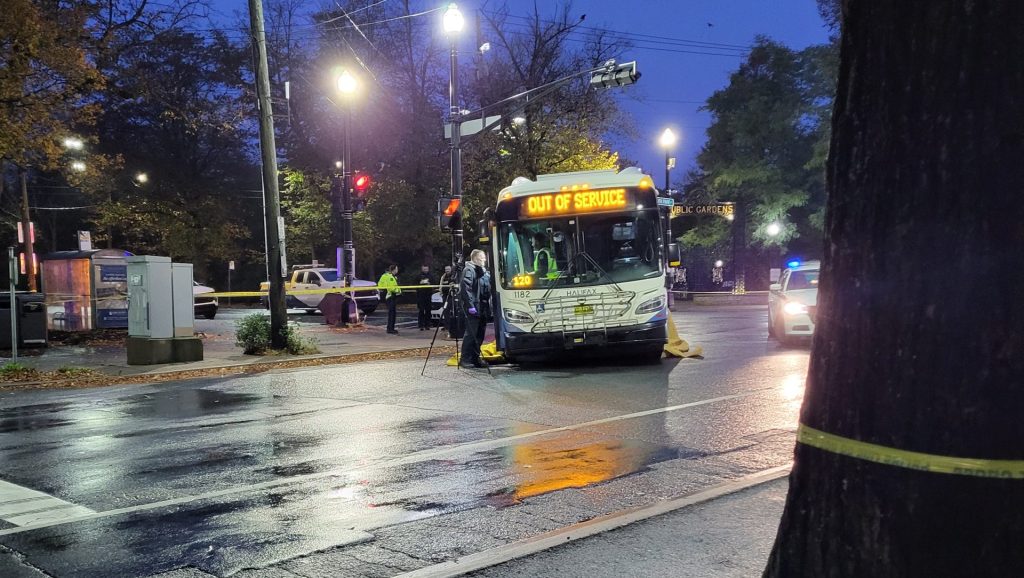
{"points": [[26, 219], [271, 196]]}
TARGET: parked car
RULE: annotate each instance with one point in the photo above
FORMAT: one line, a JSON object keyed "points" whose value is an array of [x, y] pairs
{"points": [[310, 277], [204, 306], [793, 303]]}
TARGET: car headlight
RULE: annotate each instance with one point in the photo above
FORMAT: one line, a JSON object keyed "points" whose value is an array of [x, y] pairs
{"points": [[515, 316], [794, 308], [651, 306]]}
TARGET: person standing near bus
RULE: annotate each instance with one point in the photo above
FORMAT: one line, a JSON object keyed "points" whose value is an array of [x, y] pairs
{"points": [[423, 294], [472, 292], [389, 283]]}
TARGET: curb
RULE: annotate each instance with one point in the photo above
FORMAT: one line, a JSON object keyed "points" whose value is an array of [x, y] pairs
{"points": [[106, 380]]}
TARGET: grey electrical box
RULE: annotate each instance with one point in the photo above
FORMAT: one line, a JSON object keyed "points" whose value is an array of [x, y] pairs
{"points": [[182, 295], [160, 312], [149, 297]]}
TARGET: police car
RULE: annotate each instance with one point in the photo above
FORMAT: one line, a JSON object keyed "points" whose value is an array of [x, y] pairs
{"points": [[793, 302]]}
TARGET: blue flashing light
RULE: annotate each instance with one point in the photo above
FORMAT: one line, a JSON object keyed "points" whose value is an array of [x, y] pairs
{"points": [[793, 264]]}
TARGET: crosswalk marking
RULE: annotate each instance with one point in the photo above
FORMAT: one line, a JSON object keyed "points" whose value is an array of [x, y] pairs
{"points": [[22, 506]]}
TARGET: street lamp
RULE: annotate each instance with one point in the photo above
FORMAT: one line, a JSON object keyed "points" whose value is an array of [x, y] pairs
{"points": [[347, 86], [73, 143], [667, 141], [773, 229], [142, 178], [78, 166], [453, 23]]}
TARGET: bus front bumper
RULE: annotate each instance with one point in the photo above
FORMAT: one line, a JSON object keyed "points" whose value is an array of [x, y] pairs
{"points": [[652, 333]]}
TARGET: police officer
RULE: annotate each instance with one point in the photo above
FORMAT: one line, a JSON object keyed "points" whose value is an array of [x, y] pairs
{"points": [[473, 292], [389, 283], [423, 295]]}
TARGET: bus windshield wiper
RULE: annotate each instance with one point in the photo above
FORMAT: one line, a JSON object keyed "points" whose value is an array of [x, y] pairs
{"points": [[569, 267]]}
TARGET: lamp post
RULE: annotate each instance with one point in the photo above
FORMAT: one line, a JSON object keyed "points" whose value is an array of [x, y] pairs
{"points": [[347, 86], [453, 24], [667, 141]]}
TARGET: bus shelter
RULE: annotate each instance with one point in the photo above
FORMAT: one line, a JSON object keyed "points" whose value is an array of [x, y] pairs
{"points": [[86, 290]]}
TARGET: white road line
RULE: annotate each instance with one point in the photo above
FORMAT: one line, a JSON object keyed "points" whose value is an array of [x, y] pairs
{"points": [[22, 506], [416, 457], [548, 540]]}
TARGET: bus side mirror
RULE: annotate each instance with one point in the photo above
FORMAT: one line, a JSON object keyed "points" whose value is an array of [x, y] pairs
{"points": [[673, 255]]}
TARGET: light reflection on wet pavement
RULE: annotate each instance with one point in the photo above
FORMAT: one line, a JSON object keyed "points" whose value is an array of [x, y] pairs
{"points": [[362, 449]]}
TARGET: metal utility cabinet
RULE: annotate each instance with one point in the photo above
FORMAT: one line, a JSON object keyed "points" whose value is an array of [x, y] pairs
{"points": [[160, 312]]}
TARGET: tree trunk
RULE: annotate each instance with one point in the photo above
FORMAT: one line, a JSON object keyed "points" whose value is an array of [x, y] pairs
{"points": [[920, 336]]}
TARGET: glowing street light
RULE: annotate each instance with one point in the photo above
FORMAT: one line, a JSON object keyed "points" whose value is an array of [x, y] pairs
{"points": [[668, 139], [453, 20], [78, 166], [773, 229], [142, 178], [73, 143], [347, 84]]}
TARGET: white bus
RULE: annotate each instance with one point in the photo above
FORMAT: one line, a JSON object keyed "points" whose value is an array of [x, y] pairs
{"points": [[578, 263]]}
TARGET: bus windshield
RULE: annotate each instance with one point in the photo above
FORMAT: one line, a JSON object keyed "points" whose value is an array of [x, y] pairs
{"points": [[580, 250]]}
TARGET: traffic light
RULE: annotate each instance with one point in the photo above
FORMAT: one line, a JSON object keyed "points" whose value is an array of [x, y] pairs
{"points": [[449, 213], [615, 75], [361, 186]]}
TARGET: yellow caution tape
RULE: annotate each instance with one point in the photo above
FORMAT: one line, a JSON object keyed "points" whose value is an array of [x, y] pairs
{"points": [[1006, 469], [361, 289]]}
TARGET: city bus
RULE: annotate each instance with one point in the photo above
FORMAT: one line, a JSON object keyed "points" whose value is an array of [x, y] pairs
{"points": [[579, 264]]}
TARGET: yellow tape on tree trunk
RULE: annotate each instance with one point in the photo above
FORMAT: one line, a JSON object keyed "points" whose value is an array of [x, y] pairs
{"points": [[1006, 469]]}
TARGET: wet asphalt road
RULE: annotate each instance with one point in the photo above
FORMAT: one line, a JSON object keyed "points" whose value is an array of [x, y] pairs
{"points": [[370, 469]]}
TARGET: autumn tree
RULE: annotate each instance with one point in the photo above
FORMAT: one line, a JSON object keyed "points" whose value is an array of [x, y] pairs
{"points": [[920, 323]]}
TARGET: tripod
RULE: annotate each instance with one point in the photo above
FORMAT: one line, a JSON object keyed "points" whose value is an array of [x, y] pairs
{"points": [[450, 300]]}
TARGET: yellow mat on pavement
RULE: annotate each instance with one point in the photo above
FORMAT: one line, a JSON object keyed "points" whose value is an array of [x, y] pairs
{"points": [[488, 352], [679, 347]]}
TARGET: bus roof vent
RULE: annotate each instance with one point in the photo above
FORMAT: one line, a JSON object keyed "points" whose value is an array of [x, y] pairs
{"points": [[520, 181], [631, 171]]}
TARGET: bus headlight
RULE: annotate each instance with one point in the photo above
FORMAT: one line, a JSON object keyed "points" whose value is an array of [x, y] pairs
{"points": [[515, 316], [651, 306], [794, 308]]}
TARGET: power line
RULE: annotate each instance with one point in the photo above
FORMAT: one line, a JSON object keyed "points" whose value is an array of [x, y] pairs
{"points": [[651, 37]]}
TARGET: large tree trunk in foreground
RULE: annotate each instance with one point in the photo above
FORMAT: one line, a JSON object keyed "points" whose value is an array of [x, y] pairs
{"points": [[920, 342]]}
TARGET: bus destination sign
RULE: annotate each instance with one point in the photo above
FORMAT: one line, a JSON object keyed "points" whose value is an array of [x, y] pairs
{"points": [[575, 202]]}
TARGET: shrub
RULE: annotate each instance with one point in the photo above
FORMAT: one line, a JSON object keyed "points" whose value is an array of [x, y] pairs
{"points": [[253, 336]]}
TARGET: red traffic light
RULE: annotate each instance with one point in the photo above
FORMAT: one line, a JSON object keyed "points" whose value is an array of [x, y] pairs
{"points": [[361, 183]]}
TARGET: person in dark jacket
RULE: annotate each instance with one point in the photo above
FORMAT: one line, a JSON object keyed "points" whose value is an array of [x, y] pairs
{"points": [[423, 295], [473, 293]]}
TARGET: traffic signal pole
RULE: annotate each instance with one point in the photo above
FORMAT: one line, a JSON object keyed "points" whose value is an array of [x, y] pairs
{"points": [[455, 118], [271, 195]]}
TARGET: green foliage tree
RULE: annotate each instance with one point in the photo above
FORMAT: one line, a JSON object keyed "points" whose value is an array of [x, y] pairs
{"points": [[767, 145]]}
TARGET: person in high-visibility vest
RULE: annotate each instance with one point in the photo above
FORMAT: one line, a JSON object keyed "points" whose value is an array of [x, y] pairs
{"points": [[544, 264], [389, 283]]}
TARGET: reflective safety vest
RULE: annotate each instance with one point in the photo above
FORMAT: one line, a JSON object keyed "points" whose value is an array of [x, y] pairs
{"points": [[552, 265]]}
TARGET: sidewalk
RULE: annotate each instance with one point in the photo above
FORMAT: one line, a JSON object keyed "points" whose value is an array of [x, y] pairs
{"points": [[220, 351], [728, 537]]}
